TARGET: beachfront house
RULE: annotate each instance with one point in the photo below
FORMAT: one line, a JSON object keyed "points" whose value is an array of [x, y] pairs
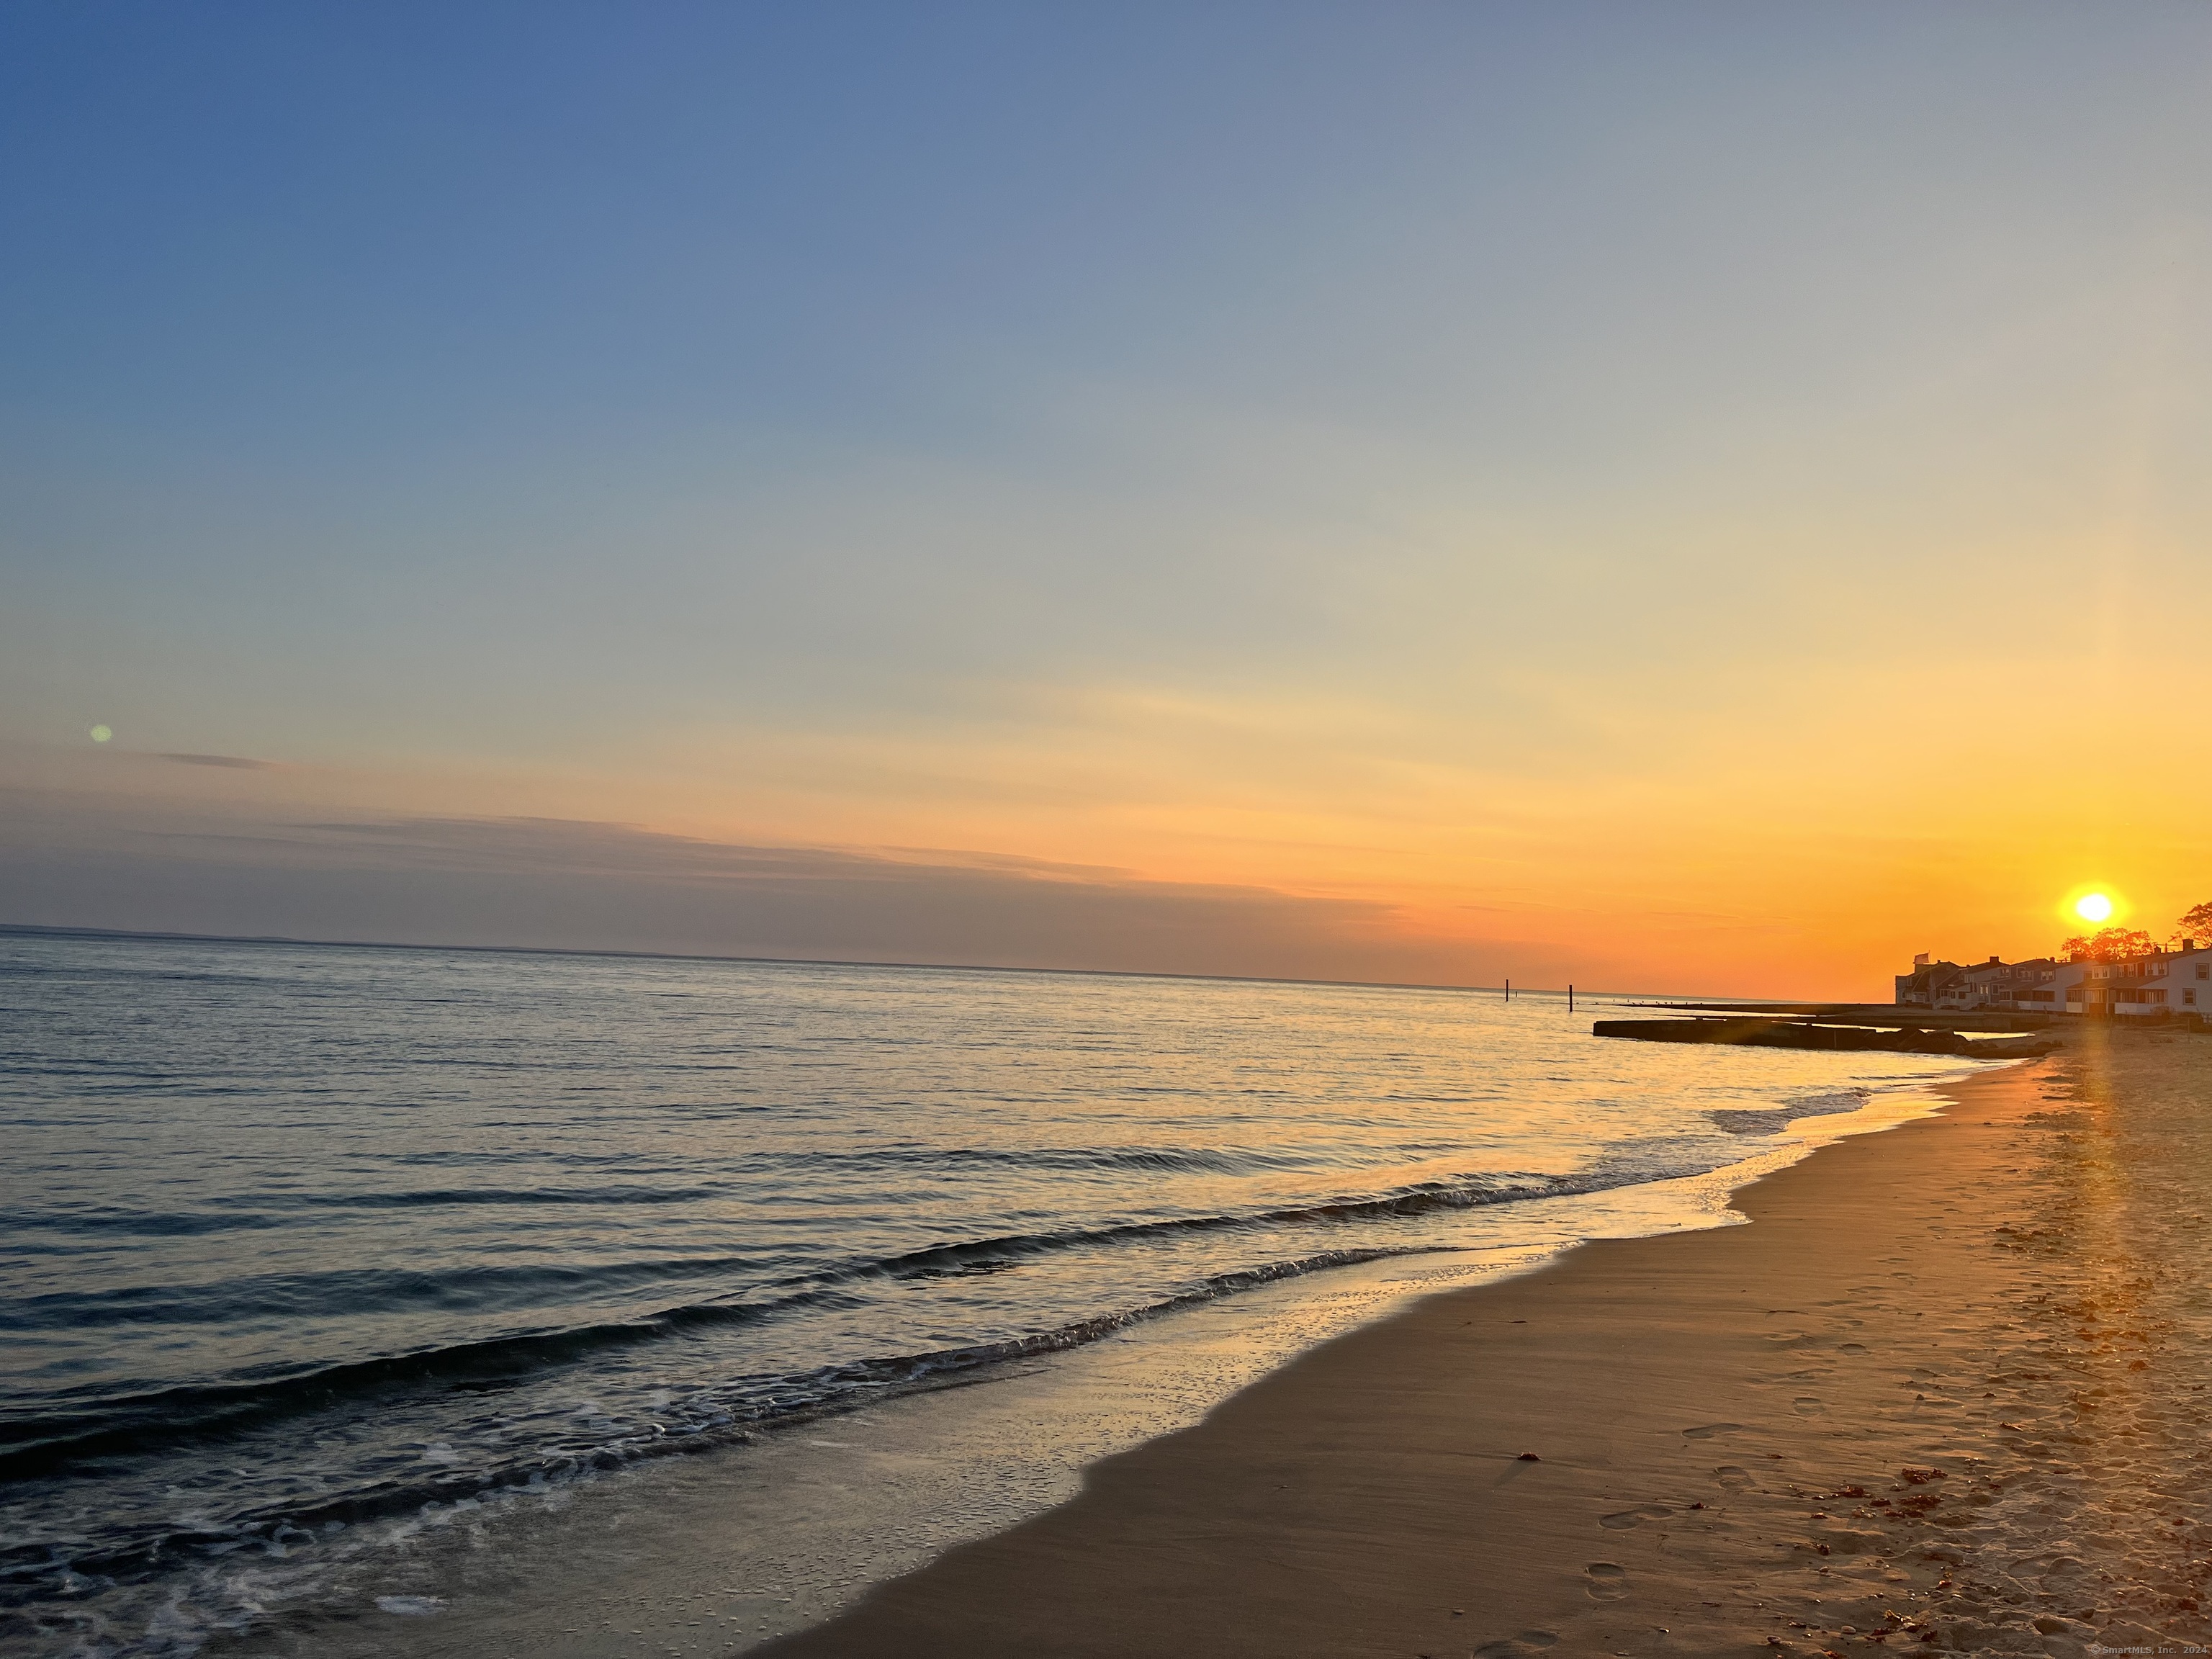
{"points": [[2177, 982], [2163, 981], [1927, 981], [1948, 987]]}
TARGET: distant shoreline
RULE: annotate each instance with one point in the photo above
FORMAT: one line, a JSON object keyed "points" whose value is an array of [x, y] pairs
{"points": [[47, 931]]}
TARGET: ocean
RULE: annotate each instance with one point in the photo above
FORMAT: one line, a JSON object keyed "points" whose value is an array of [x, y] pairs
{"points": [[307, 1247]]}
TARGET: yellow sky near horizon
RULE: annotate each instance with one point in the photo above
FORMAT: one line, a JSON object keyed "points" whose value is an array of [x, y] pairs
{"points": [[1795, 858]]}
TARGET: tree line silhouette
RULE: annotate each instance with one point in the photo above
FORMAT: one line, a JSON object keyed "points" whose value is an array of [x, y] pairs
{"points": [[2111, 944]]}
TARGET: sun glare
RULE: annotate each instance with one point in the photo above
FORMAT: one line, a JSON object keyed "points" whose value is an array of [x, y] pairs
{"points": [[2094, 906]]}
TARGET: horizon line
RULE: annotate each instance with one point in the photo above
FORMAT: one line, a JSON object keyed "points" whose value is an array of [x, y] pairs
{"points": [[52, 930]]}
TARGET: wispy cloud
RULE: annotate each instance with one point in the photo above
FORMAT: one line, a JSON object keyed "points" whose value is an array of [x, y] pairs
{"points": [[561, 883], [239, 762]]}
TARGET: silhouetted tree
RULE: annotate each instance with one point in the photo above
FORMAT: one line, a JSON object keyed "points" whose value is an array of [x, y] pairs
{"points": [[2196, 923], [2110, 945]]}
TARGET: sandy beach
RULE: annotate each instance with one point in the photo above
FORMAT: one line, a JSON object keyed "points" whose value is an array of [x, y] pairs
{"points": [[1947, 1391]]}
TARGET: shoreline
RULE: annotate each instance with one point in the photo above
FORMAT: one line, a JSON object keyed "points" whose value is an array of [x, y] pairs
{"points": [[1873, 1418], [740, 1546]]}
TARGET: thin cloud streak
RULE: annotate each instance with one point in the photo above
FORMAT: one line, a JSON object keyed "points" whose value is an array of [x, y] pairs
{"points": [[237, 762], [563, 883]]}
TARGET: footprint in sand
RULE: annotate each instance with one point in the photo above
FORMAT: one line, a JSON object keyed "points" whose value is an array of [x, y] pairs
{"points": [[2064, 1575], [1511, 1647], [1808, 1405], [1635, 1517], [1607, 1583], [1733, 1476], [1853, 1347], [1707, 1430]]}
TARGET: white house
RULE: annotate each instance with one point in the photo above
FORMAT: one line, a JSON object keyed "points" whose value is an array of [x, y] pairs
{"points": [[2162, 981]]}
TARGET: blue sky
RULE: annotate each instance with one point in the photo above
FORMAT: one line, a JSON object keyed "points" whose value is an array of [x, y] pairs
{"points": [[1125, 437]]}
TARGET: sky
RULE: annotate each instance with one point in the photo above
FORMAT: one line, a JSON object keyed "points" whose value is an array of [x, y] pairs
{"points": [[1701, 498]]}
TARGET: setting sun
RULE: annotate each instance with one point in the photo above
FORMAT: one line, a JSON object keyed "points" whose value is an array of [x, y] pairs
{"points": [[2094, 906]]}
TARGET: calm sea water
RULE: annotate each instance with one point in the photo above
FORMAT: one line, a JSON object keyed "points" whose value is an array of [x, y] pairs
{"points": [[300, 1237]]}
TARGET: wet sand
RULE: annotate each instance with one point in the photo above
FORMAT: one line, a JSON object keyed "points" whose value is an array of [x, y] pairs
{"points": [[1948, 1390]]}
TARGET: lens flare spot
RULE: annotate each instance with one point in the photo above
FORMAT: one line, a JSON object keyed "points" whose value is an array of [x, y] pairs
{"points": [[2094, 906], [101, 733]]}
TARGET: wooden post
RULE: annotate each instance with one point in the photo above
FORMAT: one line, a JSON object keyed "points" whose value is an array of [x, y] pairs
{"points": [[1509, 990], [1570, 999]]}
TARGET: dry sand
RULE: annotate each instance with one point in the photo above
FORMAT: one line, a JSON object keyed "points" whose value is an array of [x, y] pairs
{"points": [[1949, 1391]]}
